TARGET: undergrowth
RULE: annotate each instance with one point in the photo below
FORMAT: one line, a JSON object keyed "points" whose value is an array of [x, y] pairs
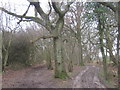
{"points": [[109, 83]]}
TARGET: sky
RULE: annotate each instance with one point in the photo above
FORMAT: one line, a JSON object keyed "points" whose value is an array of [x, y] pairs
{"points": [[21, 5]]}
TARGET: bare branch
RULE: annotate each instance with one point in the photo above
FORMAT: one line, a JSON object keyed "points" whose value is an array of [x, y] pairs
{"points": [[71, 30], [89, 39], [67, 7], [114, 9], [56, 8], [39, 9], [35, 19], [42, 37], [50, 8], [24, 14]]}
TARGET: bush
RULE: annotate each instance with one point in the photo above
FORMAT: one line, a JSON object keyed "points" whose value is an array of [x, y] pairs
{"points": [[21, 50]]}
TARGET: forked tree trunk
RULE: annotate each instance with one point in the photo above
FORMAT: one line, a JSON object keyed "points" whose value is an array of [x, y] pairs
{"points": [[60, 71]]}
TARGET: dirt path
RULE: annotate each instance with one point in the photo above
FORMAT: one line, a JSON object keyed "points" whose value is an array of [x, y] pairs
{"points": [[40, 77], [36, 77], [88, 78]]}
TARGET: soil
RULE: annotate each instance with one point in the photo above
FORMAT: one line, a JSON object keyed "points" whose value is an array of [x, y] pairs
{"points": [[88, 78], [39, 77]]}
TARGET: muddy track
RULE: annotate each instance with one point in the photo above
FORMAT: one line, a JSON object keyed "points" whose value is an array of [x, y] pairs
{"points": [[40, 77], [88, 78]]}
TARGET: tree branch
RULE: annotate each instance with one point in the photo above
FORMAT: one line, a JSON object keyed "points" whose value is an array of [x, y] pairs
{"points": [[71, 30], [109, 6], [24, 14], [38, 8], [58, 10], [42, 37], [35, 19], [50, 8], [67, 8], [89, 39]]}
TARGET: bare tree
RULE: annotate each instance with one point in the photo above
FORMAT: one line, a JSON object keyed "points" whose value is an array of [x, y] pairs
{"points": [[55, 29], [75, 26]]}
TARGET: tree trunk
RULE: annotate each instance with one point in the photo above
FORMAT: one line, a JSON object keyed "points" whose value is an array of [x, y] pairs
{"points": [[109, 45], [118, 45], [60, 71], [5, 50], [104, 58], [79, 10], [0, 51], [70, 66], [81, 63], [101, 30], [48, 59]]}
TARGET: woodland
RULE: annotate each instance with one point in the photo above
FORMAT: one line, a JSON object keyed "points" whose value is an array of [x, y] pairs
{"points": [[73, 44]]}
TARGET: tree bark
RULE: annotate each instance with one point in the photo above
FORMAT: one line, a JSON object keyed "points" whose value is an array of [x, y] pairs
{"points": [[79, 34], [101, 30], [118, 45], [48, 58], [0, 51], [81, 63], [70, 66], [5, 50], [109, 45], [60, 71]]}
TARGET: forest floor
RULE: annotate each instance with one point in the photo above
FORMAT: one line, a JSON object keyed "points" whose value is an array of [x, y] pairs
{"points": [[39, 77]]}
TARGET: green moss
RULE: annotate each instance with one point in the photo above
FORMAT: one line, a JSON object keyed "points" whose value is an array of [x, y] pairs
{"points": [[82, 64], [119, 76], [61, 75]]}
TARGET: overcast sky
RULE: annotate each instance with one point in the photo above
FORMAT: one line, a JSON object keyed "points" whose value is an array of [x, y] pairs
{"points": [[21, 5]]}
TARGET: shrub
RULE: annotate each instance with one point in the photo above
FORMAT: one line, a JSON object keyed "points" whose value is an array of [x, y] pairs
{"points": [[21, 50]]}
